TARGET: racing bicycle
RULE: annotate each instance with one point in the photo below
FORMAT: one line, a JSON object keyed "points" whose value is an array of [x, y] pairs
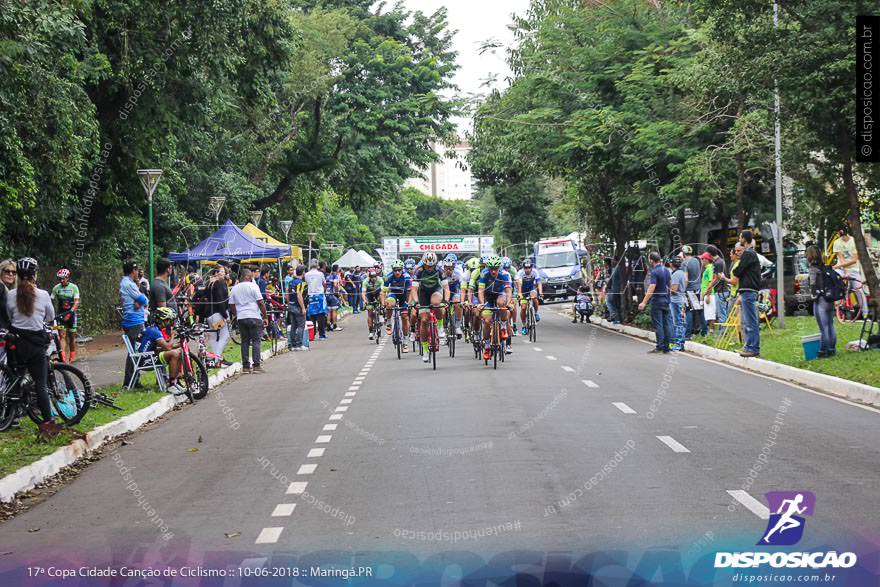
{"points": [[193, 371]]}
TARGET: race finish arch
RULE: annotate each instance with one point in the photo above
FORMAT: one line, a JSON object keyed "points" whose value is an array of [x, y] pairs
{"points": [[397, 247]]}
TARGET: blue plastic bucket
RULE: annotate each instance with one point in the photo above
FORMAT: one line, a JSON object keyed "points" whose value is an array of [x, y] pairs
{"points": [[811, 346]]}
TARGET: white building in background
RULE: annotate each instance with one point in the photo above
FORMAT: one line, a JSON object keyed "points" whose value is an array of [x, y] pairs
{"points": [[449, 177]]}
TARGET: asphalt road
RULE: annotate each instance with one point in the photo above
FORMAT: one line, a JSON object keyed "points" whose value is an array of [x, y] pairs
{"points": [[579, 442]]}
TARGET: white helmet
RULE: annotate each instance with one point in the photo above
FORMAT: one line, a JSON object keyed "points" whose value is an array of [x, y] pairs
{"points": [[430, 258]]}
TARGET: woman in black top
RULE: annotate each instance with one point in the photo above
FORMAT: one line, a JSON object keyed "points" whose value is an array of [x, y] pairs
{"points": [[823, 310]]}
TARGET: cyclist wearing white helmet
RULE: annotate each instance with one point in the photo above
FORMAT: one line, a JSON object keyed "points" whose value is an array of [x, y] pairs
{"points": [[507, 265], [431, 291], [67, 296], [530, 288], [454, 278], [397, 288], [494, 289], [470, 293]]}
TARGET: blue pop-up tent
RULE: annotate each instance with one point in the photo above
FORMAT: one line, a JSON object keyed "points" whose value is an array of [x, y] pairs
{"points": [[230, 242]]}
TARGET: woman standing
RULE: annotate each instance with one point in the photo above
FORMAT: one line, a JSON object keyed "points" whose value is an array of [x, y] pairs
{"points": [[30, 310], [823, 310], [218, 295]]}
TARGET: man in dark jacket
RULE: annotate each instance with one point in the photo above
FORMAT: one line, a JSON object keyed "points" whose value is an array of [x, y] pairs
{"points": [[747, 276]]}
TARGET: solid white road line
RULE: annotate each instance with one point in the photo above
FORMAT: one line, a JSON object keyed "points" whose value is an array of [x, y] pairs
{"points": [[329, 427], [623, 407], [296, 488], [551, 358], [269, 536], [307, 469], [589, 383], [567, 368], [672, 443], [324, 437], [753, 505], [316, 452], [283, 509]]}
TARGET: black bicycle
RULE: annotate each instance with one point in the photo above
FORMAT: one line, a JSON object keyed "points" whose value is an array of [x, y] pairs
{"points": [[55, 359], [397, 334], [70, 392]]}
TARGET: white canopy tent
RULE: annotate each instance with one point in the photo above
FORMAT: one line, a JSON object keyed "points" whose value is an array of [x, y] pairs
{"points": [[353, 258]]}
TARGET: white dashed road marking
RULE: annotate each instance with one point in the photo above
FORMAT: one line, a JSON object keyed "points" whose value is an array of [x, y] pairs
{"points": [[335, 417], [623, 407], [329, 427], [296, 488], [537, 348], [283, 509], [269, 536], [551, 358], [672, 443], [324, 437], [346, 400], [354, 388], [755, 506], [307, 469], [350, 393], [341, 408], [567, 368], [589, 383], [316, 452]]}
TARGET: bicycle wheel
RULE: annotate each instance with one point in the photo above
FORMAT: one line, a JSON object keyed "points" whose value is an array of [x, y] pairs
{"points": [[234, 334], [8, 409], [196, 380], [70, 392], [496, 339], [848, 309]]}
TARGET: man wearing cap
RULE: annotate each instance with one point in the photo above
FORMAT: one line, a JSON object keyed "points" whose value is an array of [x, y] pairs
{"points": [[694, 271]]}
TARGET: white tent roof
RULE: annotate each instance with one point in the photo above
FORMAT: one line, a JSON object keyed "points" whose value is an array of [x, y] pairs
{"points": [[353, 258], [365, 255]]}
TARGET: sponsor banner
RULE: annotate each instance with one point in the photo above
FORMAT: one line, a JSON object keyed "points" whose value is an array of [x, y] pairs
{"points": [[439, 244]]}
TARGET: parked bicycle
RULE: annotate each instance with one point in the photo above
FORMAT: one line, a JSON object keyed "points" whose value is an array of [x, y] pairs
{"points": [[194, 375], [850, 308]]}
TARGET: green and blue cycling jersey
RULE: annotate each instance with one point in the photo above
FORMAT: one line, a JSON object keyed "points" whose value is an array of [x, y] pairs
{"points": [[67, 295], [494, 286], [429, 279], [372, 289], [398, 287]]}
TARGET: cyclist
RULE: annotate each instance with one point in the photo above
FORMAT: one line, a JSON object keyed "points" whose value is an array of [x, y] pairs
{"points": [[396, 288], [494, 289], [67, 295], [530, 288], [372, 298], [157, 338], [432, 289], [471, 290], [507, 265], [453, 277]]}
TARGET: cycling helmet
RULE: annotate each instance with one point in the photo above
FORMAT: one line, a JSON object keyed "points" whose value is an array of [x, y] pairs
{"points": [[374, 273], [63, 273], [452, 257], [483, 259], [409, 264], [506, 262], [493, 261], [472, 263], [448, 264], [164, 314], [430, 258], [397, 264], [526, 263], [26, 267]]}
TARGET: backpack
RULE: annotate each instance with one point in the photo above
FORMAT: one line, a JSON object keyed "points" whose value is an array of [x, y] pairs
{"points": [[201, 302], [832, 285]]}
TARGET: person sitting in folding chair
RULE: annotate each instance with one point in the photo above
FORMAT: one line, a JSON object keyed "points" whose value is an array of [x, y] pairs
{"points": [[157, 338]]}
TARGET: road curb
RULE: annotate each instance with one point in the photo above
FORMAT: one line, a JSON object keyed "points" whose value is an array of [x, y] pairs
{"points": [[828, 384], [31, 475]]}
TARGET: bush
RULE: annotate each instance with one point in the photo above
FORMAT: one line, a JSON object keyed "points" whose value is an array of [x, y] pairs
{"points": [[643, 320]]}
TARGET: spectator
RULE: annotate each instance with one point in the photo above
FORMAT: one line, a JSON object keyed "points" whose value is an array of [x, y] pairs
{"points": [[262, 282], [719, 285], [614, 294], [602, 282], [706, 293], [847, 264], [823, 310], [694, 272], [246, 303], [658, 295], [677, 303], [735, 254], [317, 304], [161, 295], [218, 319], [356, 278], [7, 283], [747, 276], [30, 311], [133, 303], [296, 305], [143, 283], [331, 289]]}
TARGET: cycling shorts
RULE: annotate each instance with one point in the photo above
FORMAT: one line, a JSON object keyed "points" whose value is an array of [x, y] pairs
{"points": [[425, 296], [163, 356], [67, 321], [399, 298], [332, 302]]}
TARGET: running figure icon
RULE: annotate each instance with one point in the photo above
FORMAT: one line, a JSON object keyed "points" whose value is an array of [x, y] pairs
{"points": [[786, 526]]}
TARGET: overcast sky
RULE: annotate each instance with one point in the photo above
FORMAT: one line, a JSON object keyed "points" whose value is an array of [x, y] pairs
{"points": [[477, 21]]}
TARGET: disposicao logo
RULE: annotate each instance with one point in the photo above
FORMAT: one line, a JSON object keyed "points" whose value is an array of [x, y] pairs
{"points": [[785, 527]]}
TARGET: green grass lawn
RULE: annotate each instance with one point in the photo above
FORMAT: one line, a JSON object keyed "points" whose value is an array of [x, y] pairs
{"points": [[19, 447], [784, 346]]}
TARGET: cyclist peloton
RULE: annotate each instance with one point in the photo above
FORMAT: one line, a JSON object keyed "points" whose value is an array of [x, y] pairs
{"points": [[372, 298], [494, 289], [454, 277], [396, 288], [530, 288], [67, 295], [432, 289]]}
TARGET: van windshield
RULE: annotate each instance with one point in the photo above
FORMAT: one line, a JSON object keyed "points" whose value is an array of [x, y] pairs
{"points": [[559, 259]]}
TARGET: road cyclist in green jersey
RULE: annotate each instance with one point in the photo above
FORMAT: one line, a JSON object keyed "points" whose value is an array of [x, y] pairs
{"points": [[373, 298], [396, 289], [470, 287], [507, 265], [494, 289], [66, 295], [431, 291]]}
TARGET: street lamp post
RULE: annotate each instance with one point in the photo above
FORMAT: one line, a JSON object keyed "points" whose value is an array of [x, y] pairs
{"points": [[780, 254], [215, 204], [150, 179], [256, 216], [311, 236]]}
